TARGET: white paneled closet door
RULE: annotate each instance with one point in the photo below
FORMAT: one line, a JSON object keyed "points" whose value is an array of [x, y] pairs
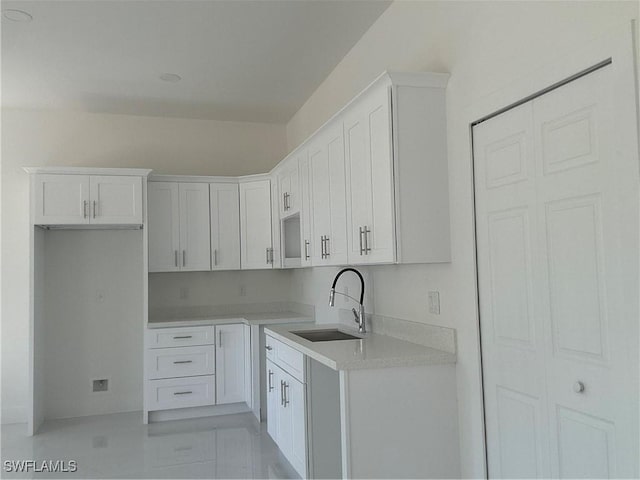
{"points": [[557, 232]]}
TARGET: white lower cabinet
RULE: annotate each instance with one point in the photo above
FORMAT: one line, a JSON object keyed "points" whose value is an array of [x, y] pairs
{"points": [[197, 366], [286, 415]]}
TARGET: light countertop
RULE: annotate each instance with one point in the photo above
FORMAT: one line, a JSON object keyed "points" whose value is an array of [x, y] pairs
{"points": [[247, 318], [371, 351]]}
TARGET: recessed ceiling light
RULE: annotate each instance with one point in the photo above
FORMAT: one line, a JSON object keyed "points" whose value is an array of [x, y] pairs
{"points": [[170, 77], [16, 15]]}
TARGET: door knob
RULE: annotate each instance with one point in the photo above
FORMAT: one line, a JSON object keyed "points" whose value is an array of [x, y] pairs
{"points": [[578, 387]]}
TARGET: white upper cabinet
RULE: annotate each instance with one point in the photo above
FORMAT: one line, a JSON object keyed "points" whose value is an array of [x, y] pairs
{"points": [[87, 199], [179, 227], [369, 167], [328, 205], [288, 187], [256, 251], [116, 199], [396, 167], [306, 233], [61, 199], [195, 245], [164, 226], [225, 226]]}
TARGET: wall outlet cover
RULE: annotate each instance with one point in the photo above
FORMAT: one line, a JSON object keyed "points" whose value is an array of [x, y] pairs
{"points": [[101, 385], [434, 303]]}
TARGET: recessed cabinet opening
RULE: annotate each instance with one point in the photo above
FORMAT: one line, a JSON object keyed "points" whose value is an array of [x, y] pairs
{"points": [[291, 248]]}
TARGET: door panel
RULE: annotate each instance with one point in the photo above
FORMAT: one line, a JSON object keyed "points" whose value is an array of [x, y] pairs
{"points": [[61, 199], [116, 200], [164, 229], [557, 232], [225, 226], [255, 224], [230, 364], [195, 243]]}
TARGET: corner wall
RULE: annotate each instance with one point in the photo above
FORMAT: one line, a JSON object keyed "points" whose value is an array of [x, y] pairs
{"points": [[45, 138], [484, 46]]}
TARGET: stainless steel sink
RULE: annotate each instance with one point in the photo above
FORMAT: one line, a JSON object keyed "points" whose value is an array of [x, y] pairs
{"points": [[327, 335]]}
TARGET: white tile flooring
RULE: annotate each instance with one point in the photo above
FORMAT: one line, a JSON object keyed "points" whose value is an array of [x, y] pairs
{"points": [[120, 446]]}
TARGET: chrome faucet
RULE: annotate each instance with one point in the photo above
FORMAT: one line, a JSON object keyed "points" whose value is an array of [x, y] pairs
{"points": [[359, 314]]}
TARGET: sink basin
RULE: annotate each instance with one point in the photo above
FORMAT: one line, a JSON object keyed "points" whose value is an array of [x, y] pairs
{"points": [[327, 335]]}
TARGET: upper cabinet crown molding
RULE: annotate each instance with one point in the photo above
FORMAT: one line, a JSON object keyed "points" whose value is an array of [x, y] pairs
{"points": [[192, 178], [142, 172]]}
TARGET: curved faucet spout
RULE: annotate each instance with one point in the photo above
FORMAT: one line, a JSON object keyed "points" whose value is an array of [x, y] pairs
{"points": [[360, 316]]}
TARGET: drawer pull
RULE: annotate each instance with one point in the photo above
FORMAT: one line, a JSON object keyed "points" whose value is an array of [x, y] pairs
{"points": [[183, 361], [285, 401], [182, 337], [188, 392], [271, 387]]}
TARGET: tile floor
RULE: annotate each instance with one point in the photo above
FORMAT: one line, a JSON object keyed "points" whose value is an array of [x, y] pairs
{"points": [[120, 446]]}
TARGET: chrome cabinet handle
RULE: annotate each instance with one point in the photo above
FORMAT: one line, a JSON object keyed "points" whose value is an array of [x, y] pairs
{"points": [[175, 257], [182, 337], [327, 250], [284, 201], [361, 247], [578, 387], [367, 249], [84, 208], [94, 209], [182, 361], [306, 249], [184, 258], [267, 250], [215, 256], [220, 338], [286, 395], [189, 392], [323, 245], [281, 392], [271, 387], [268, 347]]}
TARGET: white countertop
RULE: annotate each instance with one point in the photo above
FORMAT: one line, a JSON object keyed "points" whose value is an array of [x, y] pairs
{"points": [[247, 318], [371, 351]]}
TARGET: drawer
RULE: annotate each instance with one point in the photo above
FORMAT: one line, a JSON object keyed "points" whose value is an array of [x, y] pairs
{"points": [[181, 392], [180, 336], [180, 362], [287, 358]]}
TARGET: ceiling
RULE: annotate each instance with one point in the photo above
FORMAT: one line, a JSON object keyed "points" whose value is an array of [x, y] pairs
{"points": [[239, 60]]}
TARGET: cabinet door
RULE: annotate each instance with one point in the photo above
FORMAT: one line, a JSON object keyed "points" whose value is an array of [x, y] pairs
{"points": [[230, 364], [61, 199], [329, 246], [288, 183], [116, 200], [276, 235], [195, 244], [284, 425], [164, 229], [369, 167], [306, 235], [296, 406], [273, 400], [225, 226], [255, 225]]}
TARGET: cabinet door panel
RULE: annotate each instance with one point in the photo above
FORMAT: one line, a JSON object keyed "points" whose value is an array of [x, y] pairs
{"points": [[296, 404], [195, 245], [116, 200], [225, 226], [230, 364], [306, 232], [164, 228], [319, 169], [255, 224], [370, 190], [337, 243], [273, 399], [61, 199]]}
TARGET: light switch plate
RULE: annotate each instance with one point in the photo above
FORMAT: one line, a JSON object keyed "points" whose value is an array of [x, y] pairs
{"points": [[434, 303]]}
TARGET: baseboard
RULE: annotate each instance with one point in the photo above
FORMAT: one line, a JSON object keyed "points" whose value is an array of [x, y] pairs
{"points": [[13, 415], [194, 412]]}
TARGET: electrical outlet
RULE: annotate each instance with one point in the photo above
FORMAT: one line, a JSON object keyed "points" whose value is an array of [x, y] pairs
{"points": [[434, 303], [101, 385]]}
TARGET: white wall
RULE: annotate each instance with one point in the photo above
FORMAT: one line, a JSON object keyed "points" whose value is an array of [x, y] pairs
{"points": [[93, 321], [484, 45], [170, 146]]}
